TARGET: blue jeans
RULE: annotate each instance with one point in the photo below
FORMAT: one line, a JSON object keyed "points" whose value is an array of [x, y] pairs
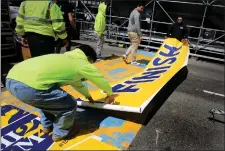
{"points": [[57, 108]]}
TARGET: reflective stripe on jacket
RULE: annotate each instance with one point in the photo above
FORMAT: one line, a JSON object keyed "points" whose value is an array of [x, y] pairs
{"points": [[42, 17]]}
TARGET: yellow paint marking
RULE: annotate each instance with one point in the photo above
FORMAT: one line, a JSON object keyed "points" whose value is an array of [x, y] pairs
{"points": [[92, 144], [5, 119]]}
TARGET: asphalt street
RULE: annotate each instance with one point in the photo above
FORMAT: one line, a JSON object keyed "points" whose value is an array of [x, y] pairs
{"points": [[183, 121]]}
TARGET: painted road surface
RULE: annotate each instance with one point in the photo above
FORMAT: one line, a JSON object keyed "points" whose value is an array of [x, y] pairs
{"points": [[20, 123], [21, 130]]}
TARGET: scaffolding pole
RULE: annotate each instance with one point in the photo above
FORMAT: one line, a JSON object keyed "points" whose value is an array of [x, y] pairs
{"points": [[201, 27], [110, 18], [149, 3], [196, 46], [153, 10], [212, 2], [87, 9], [213, 41], [190, 3], [160, 22], [75, 6], [203, 2], [165, 11], [110, 21], [124, 23]]}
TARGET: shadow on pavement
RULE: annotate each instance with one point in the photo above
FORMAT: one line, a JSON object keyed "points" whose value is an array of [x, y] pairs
{"points": [[215, 120]]}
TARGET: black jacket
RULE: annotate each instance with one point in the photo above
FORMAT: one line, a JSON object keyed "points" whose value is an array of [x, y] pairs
{"points": [[65, 8], [178, 31]]}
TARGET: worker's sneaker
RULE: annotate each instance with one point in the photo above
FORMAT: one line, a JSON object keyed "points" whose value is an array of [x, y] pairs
{"points": [[74, 130], [57, 139], [124, 57], [100, 59], [135, 63], [47, 130]]}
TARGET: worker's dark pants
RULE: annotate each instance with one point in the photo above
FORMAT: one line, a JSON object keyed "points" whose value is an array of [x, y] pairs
{"points": [[40, 44], [59, 42]]}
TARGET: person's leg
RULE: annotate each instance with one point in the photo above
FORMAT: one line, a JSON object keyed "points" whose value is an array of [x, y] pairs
{"points": [[30, 96], [133, 47], [63, 107], [56, 106], [21, 91], [64, 125], [47, 120], [40, 44], [135, 44], [69, 37], [68, 48], [47, 45], [102, 41], [33, 43], [127, 53], [99, 46], [58, 46]]}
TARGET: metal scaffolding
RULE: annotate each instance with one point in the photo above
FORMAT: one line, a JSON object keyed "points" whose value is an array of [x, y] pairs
{"points": [[200, 47]]}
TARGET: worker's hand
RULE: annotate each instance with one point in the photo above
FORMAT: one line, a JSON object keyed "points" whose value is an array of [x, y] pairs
{"points": [[110, 99], [140, 38], [166, 37], [24, 42], [65, 42], [90, 99], [184, 41]]}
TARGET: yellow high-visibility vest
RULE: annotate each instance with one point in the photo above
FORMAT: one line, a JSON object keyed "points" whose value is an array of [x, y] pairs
{"points": [[42, 17]]}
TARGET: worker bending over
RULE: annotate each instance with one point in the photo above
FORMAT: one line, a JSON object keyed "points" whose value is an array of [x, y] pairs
{"points": [[37, 82], [40, 23]]}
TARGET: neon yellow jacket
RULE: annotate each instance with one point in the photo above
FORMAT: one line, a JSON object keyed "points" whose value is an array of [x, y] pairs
{"points": [[69, 68], [100, 19], [42, 17]]}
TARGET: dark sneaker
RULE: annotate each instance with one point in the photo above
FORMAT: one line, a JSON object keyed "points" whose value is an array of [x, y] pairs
{"points": [[74, 130], [47, 130]]}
